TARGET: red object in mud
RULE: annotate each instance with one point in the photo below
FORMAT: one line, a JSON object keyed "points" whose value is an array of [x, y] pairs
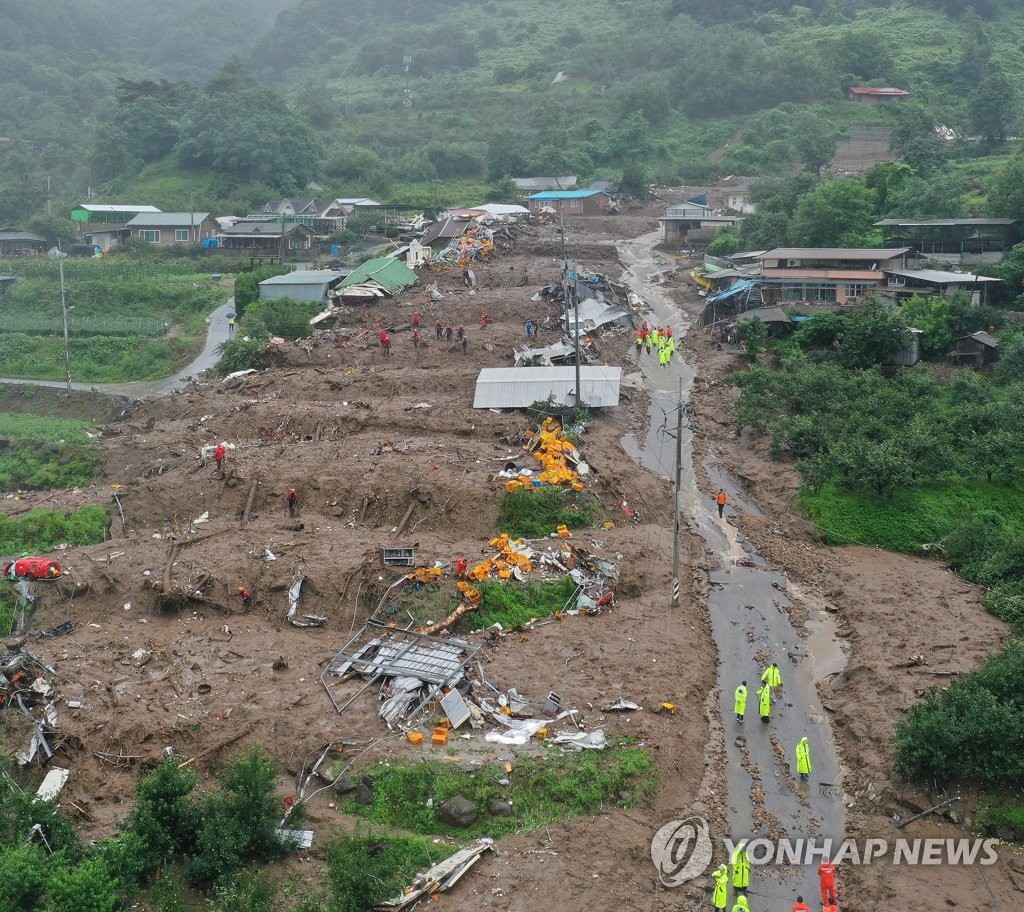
{"points": [[40, 568]]}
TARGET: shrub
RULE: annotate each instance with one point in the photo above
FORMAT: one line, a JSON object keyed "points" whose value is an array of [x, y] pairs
{"points": [[366, 871], [23, 874], [89, 887], [163, 817], [236, 823], [970, 730]]}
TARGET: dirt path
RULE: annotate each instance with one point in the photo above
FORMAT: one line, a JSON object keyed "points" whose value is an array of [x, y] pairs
{"points": [[748, 603]]}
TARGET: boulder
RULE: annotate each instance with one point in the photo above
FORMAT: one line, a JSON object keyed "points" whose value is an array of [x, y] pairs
{"points": [[458, 812], [498, 808], [364, 794]]}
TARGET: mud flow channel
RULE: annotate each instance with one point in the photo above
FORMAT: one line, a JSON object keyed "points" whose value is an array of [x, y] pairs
{"points": [[747, 602]]}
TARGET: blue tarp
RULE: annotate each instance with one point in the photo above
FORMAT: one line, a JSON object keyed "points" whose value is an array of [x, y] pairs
{"points": [[733, 290]]}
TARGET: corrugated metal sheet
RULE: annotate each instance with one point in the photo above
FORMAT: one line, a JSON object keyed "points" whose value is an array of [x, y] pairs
{"points": [[518, 387], [391, 274]]}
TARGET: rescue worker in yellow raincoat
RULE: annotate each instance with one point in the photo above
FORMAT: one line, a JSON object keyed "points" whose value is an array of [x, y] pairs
{"points": [[740, 705], [720, 898], [740, 861], [803, 758], [772, 676], [764, 702], [741, 904]]}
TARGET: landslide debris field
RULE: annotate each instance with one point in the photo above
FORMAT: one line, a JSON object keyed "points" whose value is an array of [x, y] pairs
{"points": [[389, 454], [385, 454]]}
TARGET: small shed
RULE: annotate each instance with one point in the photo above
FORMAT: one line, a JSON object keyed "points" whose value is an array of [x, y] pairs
{"points": [[301, 285], [977, 350], [519, 387], [383, 273]]}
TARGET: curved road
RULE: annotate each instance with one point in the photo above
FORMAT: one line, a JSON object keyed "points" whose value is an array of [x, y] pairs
{"points": [[216, 333], [746, 603]]}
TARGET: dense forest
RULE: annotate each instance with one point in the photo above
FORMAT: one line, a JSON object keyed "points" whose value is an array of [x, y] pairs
{"points": [[234, 101]]}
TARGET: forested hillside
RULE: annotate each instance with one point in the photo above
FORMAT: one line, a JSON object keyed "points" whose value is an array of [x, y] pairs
{"points": [[235, 100]]}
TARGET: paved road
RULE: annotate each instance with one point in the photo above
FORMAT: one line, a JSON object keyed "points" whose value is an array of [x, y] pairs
{"points": [[216, 333], [750, 627]]}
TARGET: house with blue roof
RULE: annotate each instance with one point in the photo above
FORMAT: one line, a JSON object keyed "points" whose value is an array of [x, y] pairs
{"points": [[571, 202]]}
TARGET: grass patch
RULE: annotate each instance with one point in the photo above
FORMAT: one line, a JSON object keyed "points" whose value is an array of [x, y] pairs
{"points": [[7, 603], [40, 530], [907, 519], [35, 466], [543, 790], [996, 811], [537, 512], [365, 871], [510, 604], [49, 430]]}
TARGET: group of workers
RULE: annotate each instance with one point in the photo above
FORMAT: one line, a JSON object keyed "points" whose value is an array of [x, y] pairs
{"points": [[771, 683], [657, 338], [740, 863]]}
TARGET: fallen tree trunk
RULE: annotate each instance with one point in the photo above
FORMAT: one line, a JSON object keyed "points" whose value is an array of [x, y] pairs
{"points": [[460, 612]]}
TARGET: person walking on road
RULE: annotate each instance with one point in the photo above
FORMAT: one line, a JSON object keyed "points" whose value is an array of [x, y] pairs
{"points": [[764, 702], [293, 502], [740, 861], [800, 905], [741, 904], [827, 877], [663, 355], [740, 701], [803, 758], [772, 677], [720, 898], [231, 323], [721, 498]]}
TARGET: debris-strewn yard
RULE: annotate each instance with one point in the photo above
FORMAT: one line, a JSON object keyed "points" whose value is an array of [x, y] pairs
{"points": [[396, 474]]}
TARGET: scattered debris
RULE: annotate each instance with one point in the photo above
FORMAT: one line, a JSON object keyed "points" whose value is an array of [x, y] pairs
{"points": [[440, 877]]}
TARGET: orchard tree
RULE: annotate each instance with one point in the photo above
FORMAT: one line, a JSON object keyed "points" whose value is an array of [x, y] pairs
{"points": [[931, 316], [873, 332]]}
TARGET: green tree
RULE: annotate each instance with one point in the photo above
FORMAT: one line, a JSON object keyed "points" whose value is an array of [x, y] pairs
{"points": [[993, 108], [815, 140], [931, 316], [832, 212], [251, 135], [873, 332], [752, 334]]}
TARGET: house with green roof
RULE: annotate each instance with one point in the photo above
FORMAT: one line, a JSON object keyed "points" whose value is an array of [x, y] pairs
{"points": [[571, 202], [383, 274]]}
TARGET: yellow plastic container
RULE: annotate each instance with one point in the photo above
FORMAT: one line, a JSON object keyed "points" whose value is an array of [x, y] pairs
{"points": [[415, 737]]}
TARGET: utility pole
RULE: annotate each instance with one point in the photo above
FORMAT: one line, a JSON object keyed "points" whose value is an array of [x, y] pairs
{"points": [[192, 218], [64, 313], [576, 303], [572, 297], [280, 247], [679, 478]]}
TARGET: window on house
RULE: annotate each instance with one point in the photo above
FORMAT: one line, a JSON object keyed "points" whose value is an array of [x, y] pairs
{"points": [[150, 234], [181, 234], [574, 204]]}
